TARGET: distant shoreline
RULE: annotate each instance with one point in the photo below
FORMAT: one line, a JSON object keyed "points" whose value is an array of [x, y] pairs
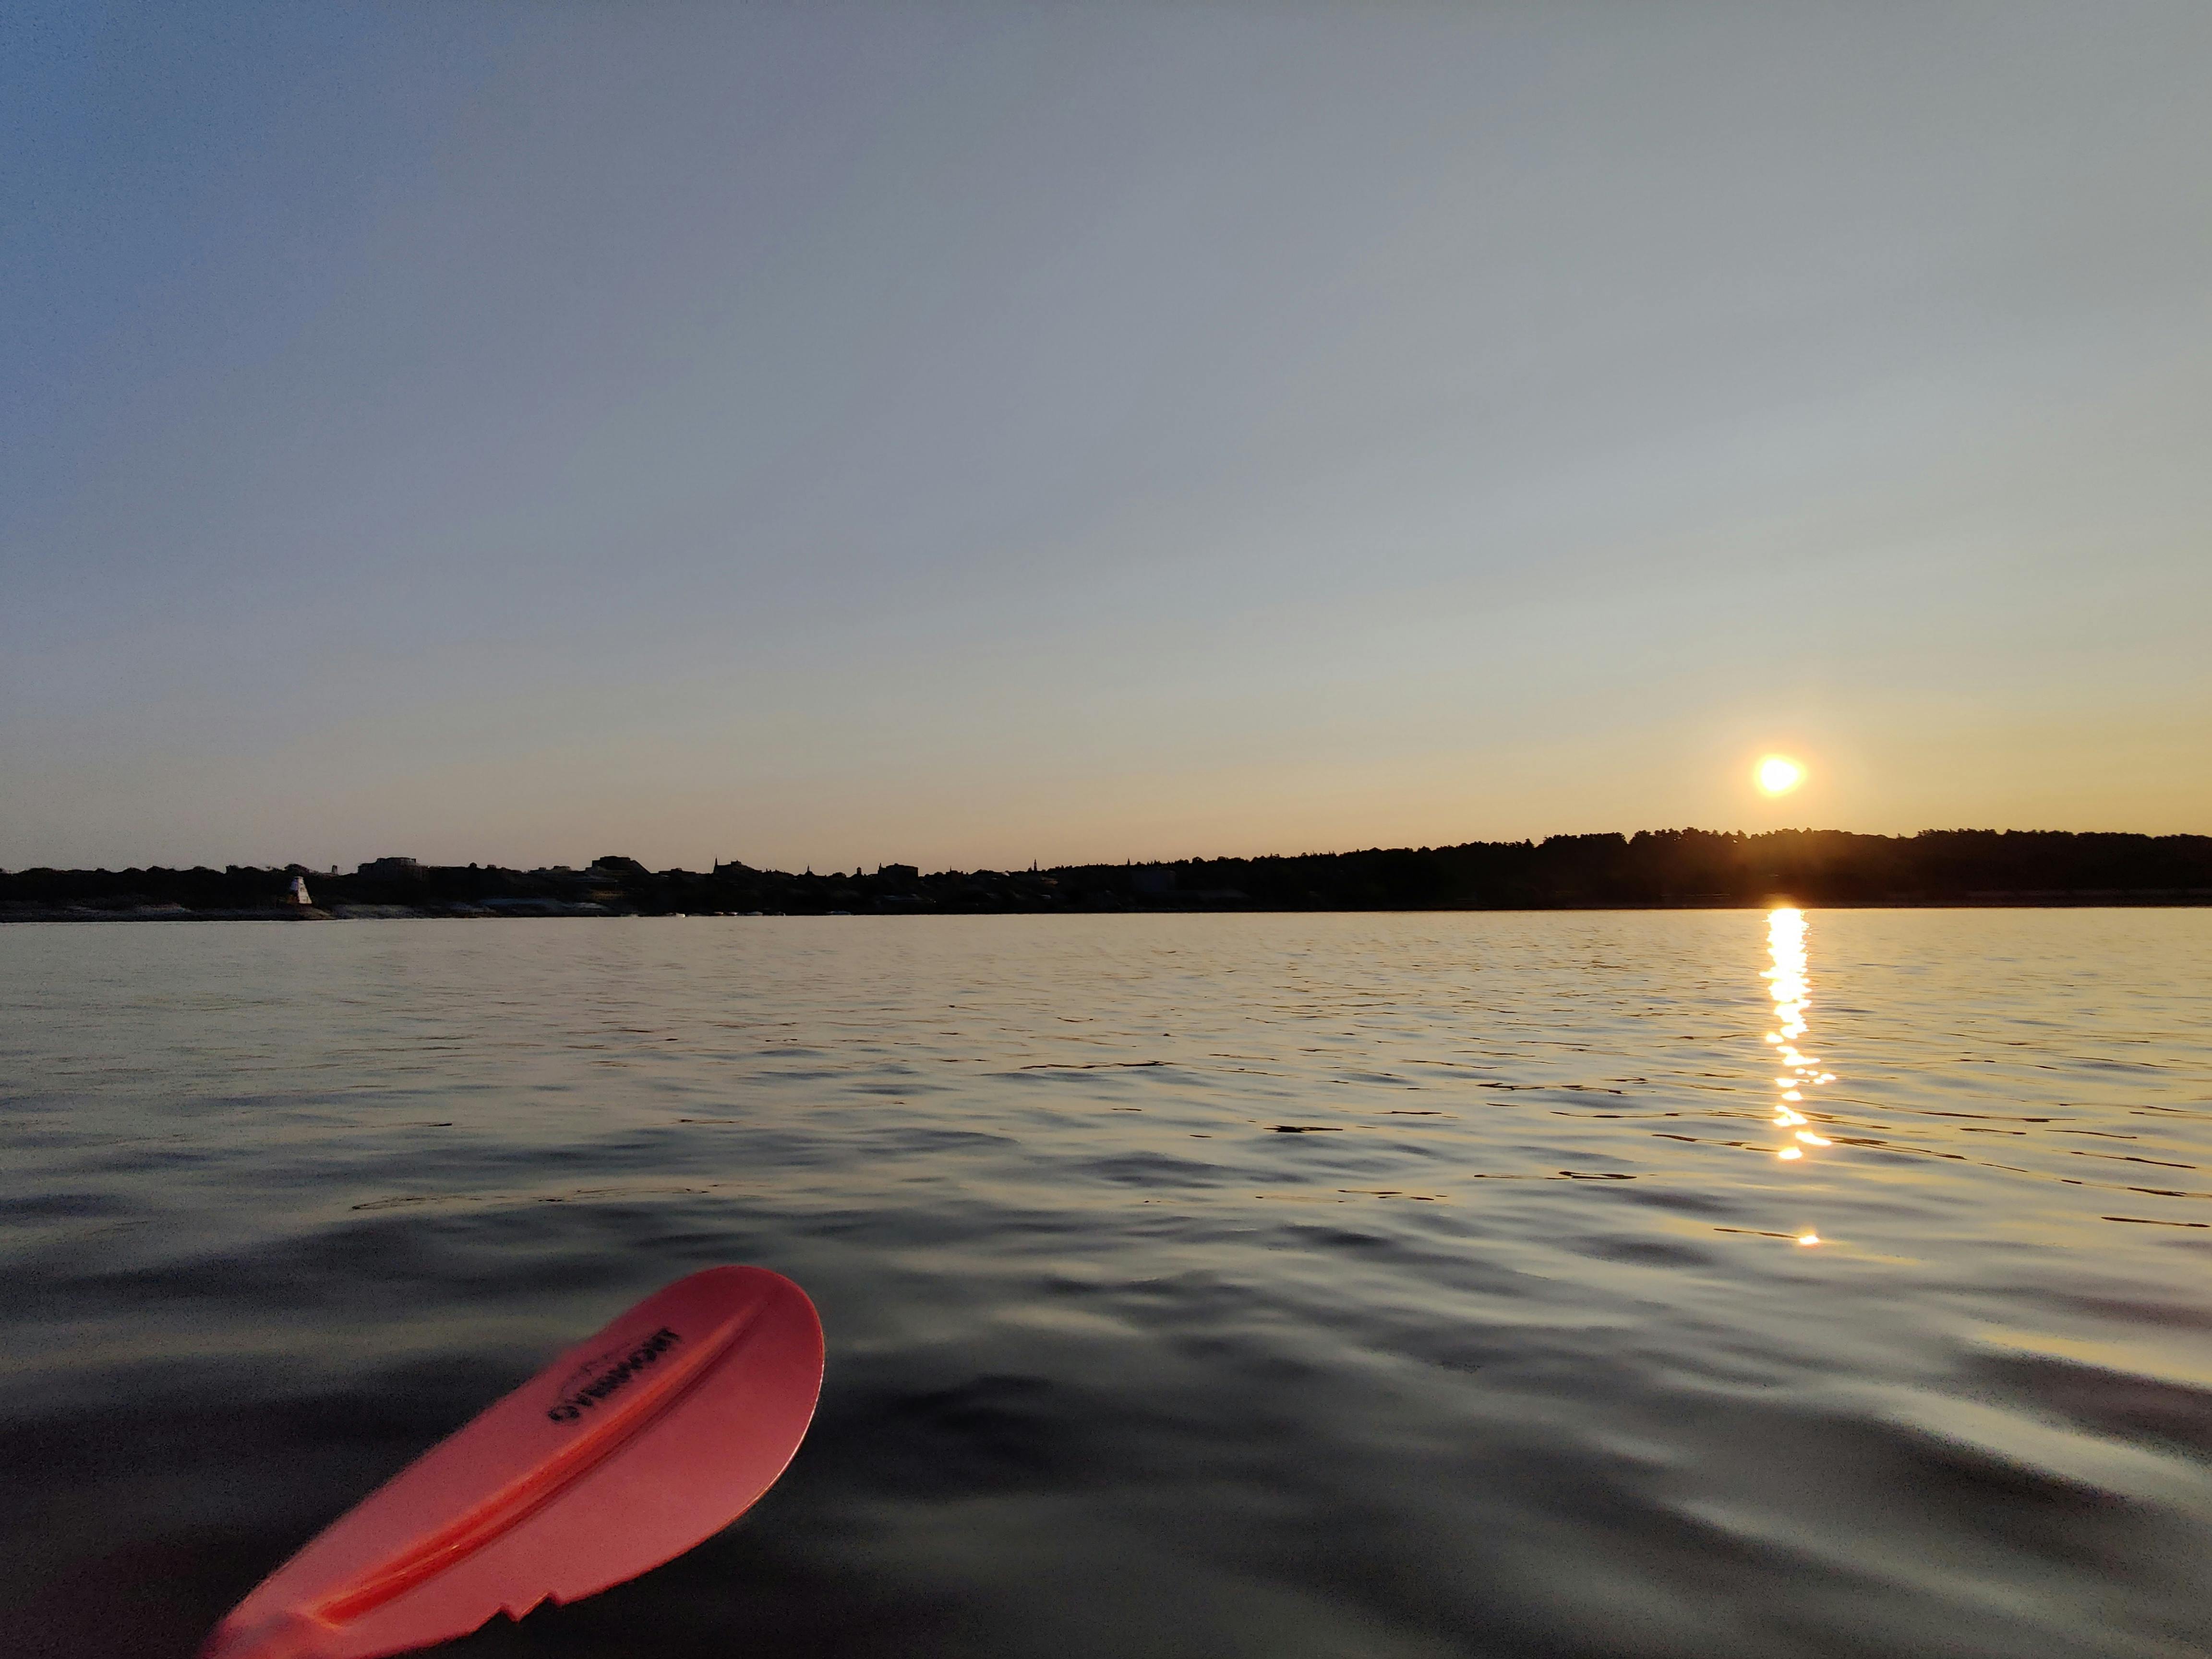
{"points": [[1652, 869], [2085, 900]]}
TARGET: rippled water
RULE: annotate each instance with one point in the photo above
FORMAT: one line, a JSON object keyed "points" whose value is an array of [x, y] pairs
{"points": [[1271, 1285]]}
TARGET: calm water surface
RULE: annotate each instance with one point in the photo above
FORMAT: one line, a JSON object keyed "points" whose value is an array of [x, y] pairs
{"points": [[1215, 1285]]}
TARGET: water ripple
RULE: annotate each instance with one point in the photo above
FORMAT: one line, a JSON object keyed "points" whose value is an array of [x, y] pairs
{"points": [[1160, 1321]]}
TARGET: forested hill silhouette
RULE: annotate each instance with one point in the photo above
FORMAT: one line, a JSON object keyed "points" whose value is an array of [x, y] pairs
{"points": [[1698, 867], [1688, 868]]}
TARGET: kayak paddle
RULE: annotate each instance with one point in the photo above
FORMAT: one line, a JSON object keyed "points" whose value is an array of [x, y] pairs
{"points": [[624, 1452]]}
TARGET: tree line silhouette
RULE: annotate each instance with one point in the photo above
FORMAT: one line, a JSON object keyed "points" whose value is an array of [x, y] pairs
{"points": [[1663, 868]]}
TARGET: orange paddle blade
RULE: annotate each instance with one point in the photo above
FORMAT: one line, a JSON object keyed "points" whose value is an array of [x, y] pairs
{"points": [[627, 1451]]}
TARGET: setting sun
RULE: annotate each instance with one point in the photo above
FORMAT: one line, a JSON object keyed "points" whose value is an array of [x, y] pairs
{"points": [[1777, 774]]}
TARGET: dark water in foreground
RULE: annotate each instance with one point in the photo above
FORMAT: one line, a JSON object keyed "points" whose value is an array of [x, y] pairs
{"points": [[1514, 1351]]}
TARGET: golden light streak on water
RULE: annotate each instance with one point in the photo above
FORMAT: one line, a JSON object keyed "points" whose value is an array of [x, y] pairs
{"points": [[1789, 984]]}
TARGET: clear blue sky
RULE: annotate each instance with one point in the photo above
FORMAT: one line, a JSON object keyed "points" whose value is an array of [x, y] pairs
{"points": [[964, 435]]}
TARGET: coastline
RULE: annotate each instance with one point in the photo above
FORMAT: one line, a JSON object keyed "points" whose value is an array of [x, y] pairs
{"points": [[2195, 898], [1664, 870]]}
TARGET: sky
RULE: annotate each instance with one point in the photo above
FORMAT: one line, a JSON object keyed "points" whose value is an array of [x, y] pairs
{"points": [[971, 435]]}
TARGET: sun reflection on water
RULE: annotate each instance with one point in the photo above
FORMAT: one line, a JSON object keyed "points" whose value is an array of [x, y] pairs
{"points": [[1788, 984]]}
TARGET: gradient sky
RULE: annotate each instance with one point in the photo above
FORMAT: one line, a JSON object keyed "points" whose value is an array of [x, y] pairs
{"points": [[969, 434]]}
